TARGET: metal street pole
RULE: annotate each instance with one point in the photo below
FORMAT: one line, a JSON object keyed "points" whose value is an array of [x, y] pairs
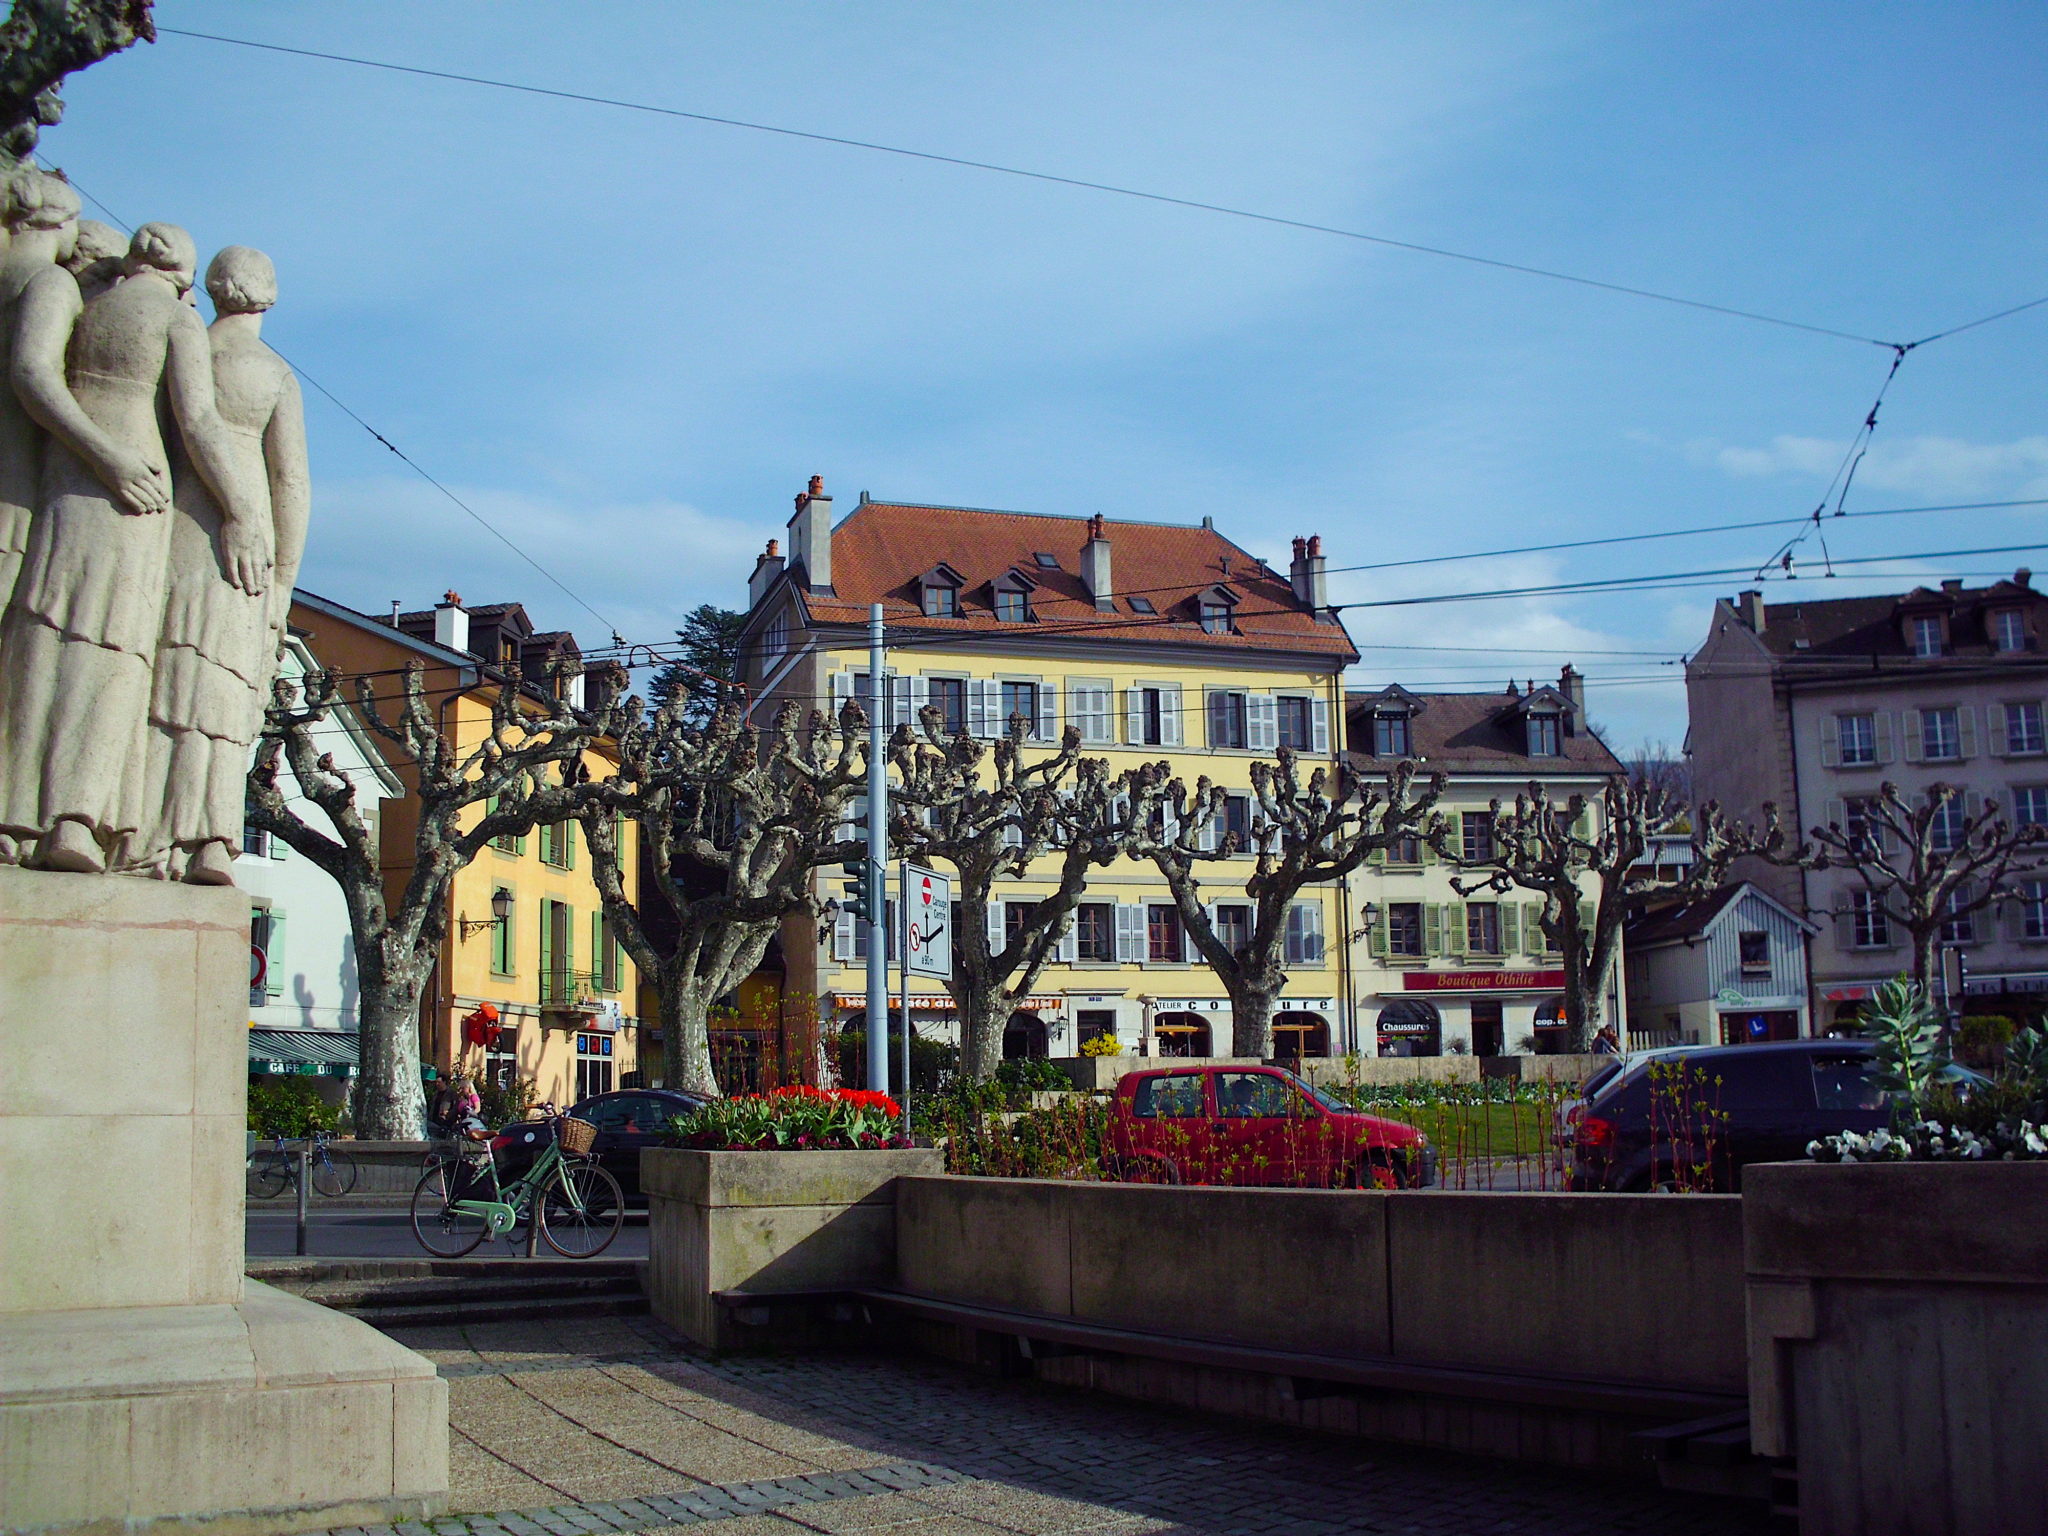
{"points": [[903, 982], [878, 856]]}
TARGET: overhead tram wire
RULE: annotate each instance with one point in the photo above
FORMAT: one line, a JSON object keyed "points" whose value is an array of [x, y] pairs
{"points": [[1084, 184], [403, 456]]}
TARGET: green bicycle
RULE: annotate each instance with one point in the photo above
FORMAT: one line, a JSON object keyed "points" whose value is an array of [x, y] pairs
{"points": [[578, 1206]]}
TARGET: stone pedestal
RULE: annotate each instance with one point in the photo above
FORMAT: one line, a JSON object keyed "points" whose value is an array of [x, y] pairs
{"points": [[766, 1222], [141, 1380]]}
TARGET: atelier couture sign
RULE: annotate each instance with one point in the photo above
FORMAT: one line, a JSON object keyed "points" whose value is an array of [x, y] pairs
{"points": [[1482, 981]]}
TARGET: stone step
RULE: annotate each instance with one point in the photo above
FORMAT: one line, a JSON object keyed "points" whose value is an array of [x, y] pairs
{"points": [[393, 1293], [461, 1310], [362, 1297]]}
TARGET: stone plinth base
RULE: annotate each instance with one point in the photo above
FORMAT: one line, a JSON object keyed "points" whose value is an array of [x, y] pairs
{"points": [[271, 1415]]}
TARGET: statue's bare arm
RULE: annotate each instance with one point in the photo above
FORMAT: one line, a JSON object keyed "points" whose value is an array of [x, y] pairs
{"points": [[48, 309], [291, 481], [247, 545]]}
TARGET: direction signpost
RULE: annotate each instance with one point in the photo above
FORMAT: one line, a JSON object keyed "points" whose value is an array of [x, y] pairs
{"points": [[927, 898]]}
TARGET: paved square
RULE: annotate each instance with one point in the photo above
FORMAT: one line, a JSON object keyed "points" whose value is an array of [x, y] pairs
{"points": [[591, 1427]]}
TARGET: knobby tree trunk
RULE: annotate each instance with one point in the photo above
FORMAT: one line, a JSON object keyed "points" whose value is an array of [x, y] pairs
{"points": [[1251, 1020], [984, 1008], [685, 1015], [389, 1100]]}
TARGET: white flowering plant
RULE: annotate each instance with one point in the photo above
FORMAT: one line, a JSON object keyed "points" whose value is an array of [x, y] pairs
{"points": [[1932, 1141]]}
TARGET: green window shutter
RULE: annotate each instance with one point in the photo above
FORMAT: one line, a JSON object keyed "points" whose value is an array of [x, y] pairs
{"points": [[1377, 856], [1532, 927], [596, 950], [569, 847], [1510, 929], [547, 950], [1586, 918], [1377, 937], [1454, 929], [1433, 928], [274, 955]]}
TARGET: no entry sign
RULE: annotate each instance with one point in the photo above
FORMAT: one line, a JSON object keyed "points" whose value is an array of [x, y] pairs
{"points": [[928, 903]]}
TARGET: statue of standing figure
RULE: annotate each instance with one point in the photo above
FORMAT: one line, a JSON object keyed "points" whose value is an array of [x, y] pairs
{"points": [[218, 649], [79, 642], [41, 218]]}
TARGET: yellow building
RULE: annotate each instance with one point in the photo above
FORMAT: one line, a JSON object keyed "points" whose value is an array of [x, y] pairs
{"points": [[1157, 641], [560, 983]]}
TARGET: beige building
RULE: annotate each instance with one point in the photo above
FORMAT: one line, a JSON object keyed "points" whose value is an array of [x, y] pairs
{"points": [[1814, 705], [1156, 641], [1436, 972]]}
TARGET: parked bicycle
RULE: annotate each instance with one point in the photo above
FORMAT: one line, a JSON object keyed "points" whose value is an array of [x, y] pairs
{"points": [[275, 1168], [578, 1206]]}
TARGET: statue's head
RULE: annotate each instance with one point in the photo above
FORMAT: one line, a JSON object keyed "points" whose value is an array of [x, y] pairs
{"points": [[96, 242], [241, 281], [165, 250], [39, 201]]}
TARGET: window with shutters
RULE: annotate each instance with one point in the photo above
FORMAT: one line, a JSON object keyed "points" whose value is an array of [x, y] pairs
{"points": [[1234, 927], [1147, 723], [1163, 935], [1404, 929], [1941, 735], [1020, 699], [2023, 730], [1095, 933], [1959, 926], [606, 961], [1753, 951], [1475, 836], [1297, 732], [1927, 636], [557, 844], [557, 953], [1016, 914], [1856, 739], [1482, 927], [1088, 699], [504, 950], [255, 842], [1945, 827], [2009, 630], [1546, 736], [1237, 820], [2034, 910], [948, 695], [1859, 821], [2030, 805], [509, 843], [1227, 719], [1391, 736], [1869, 928], [1304, 936], [1405, 849]]}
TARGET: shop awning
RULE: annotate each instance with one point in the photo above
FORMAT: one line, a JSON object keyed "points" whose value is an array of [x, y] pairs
{"points": [[303, 1052]]}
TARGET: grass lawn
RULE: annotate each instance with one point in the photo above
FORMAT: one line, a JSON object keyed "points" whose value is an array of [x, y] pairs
{"points": [[1477, 1130]]}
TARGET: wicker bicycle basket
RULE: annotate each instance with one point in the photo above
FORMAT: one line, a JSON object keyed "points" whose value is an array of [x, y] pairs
{"points": [[575, 1137]]}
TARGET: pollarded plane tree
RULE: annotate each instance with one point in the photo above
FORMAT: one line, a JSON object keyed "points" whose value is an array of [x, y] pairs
{"points": [[1302, 833], [990, 814], [1927, 864], [734, 820], [521, 770], [1554, 851]]}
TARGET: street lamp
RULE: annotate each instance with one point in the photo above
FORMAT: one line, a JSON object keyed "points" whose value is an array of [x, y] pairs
{"points": [[501, 909]]}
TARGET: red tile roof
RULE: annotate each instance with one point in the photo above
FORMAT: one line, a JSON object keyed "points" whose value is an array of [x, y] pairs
{"points": [[881, 549]]}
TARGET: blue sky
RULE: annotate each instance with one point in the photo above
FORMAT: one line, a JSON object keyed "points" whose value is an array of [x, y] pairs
{"points": [[627, 340]]}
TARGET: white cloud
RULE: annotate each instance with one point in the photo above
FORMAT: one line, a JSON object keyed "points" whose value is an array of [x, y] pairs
{"points": [[1913, 466]]}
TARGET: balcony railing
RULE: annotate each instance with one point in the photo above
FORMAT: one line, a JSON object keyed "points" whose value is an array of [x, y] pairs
{"points": [[563, 987]]}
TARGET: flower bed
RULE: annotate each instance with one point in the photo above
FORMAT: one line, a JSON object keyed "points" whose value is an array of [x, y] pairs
{"points": [[794, 1119]]}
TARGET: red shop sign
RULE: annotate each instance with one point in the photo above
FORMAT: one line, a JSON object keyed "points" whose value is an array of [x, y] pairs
{"points": [[1482, 981]]}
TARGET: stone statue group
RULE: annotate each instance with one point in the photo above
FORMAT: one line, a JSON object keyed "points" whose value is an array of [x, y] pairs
{"points": [[154, 494]]}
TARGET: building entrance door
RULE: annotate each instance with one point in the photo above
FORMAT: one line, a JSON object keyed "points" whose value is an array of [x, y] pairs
{"points": [[1486, 1027]]}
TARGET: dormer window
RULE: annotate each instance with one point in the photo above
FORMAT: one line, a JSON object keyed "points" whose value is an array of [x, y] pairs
{"points": [[1546, 736], [2008, 630], [1011, 597], [1391, 736], [939, 592], [1926, 635], [1213, 609]]}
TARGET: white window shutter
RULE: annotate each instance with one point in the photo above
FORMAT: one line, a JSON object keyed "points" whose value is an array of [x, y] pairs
{"points": [[1013, 835], [1319, 726], [1262, 721], [1831, 743], [1966, 729], [842, 690], [1291, 935], [1832, 813], [1997, 729], [994, 915], [1909, 721], [900, 711], [842, 935], [984, 704], [1130, 933], [1070, 942], [1882, 720], [274, 955], [1134, 716], [1169, 715], [1210, 834], [1047, 726]]}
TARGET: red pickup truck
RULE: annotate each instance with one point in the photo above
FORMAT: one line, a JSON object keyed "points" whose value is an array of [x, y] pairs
{"points": [[1257, 1125]]}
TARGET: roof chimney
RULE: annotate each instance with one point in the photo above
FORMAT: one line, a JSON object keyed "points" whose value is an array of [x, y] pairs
{"points": [[1572, 685], [1953, 584], [1311, 589], [810, 536], [1095, 567], [451, 622], [766, 568], [2023, 577], [1750, 608]]}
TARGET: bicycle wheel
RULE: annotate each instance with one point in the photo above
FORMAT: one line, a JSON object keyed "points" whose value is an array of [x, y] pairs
{"points": [[334, 1173], [442, 1230], [581, 1210], [269, 1174]]}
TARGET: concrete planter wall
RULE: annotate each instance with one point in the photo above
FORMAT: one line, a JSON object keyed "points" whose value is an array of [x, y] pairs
{"points": [[1898, 1318], [766, 1222]]}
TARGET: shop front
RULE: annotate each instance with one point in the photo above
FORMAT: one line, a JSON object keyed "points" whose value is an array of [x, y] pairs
{"points": [[1488, 1012]]}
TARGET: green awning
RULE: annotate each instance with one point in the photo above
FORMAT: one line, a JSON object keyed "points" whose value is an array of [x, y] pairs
{"points": [[303, 1052]]}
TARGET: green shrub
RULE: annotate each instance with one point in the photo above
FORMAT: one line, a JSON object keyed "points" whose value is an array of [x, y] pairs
{"points": [[932, 1062], [1981, 1039], [502, 1105], [289, 1106], [1027, 1075]]}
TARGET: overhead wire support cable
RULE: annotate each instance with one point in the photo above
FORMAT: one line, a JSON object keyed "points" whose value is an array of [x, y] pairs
{"points": [[1082, 183]]}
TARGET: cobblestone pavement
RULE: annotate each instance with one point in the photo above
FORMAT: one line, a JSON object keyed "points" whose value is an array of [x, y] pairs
{"points": [[588, 1427]]}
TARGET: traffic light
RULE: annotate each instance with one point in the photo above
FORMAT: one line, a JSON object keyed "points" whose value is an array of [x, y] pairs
{"points": [[856, 885]]}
